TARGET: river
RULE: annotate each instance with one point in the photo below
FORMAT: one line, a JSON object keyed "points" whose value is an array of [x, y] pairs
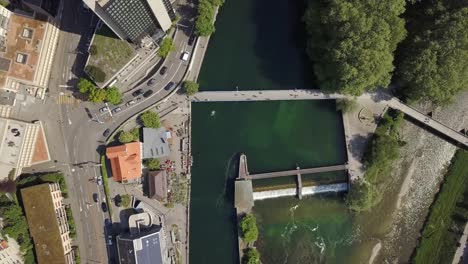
{"points": [[260, 45]]}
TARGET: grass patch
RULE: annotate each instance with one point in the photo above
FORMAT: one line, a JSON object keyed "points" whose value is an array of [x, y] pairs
{"points": [[105, 181], [110, 52], [447, 217]]}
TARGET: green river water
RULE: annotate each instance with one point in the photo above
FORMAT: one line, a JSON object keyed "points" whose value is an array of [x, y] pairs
{"points": [[258, 45]]}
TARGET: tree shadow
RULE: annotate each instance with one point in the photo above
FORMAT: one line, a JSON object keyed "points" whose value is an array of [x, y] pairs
{"points": [[358, 145]]}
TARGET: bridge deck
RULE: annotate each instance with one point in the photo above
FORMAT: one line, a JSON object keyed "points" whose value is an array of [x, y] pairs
{"points": [[267, 95], [295, 172]]}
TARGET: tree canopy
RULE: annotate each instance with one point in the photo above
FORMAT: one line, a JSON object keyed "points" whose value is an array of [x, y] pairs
{"points": [[252, 256], [85, 86], [433, 63], [97, 95], [166, 47], [249, 228], [150, 119], [351, 42], [113, 95], [204, 24], [152, 164], [190, 87]]}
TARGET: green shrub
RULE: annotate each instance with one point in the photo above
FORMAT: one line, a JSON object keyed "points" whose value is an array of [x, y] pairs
{"points": [[166, 47], [251, 256], [249, 228], [152, 164], [190, 87], [125, 200]]}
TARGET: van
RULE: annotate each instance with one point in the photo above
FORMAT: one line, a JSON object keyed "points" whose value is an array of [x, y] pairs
{"points": [[185, 56]]}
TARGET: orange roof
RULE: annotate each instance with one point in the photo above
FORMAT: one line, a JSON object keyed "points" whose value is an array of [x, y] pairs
{"points": [[125, 161]]}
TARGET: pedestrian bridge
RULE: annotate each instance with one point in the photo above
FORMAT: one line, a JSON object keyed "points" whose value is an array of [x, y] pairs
{"points": [[379, 97]]}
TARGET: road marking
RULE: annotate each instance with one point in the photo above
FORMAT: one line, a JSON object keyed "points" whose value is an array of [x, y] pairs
{"points": [[64, 86]]}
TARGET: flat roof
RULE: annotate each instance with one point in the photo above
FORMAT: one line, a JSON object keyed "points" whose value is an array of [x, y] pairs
{"points": [[155, 143], [43, 225], [144, 248]]}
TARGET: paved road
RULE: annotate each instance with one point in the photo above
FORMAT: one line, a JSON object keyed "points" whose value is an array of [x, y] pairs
{"points": [[267, 95]]}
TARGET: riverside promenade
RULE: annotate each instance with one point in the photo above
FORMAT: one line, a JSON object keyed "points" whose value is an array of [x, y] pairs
{"points": [[379, 97]]}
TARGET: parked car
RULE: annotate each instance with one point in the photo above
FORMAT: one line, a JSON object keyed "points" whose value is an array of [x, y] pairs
{"points": [[129, 103], [185, 55], [107, 222], [109, 240], [191, 40], [95, 198], [99, 180], [104, 109], [104, 207], [169, 86], [148, 93], [106, 133], [137, 92], [116, 110], [151, 82], [163, 70]]}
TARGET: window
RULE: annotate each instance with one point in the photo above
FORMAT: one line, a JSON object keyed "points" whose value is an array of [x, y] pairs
{"points": [[21, 58], [27, 33]]}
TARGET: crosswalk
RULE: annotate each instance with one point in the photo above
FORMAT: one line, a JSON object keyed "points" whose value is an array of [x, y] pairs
{"points": [[5, 111], [70, 99]]}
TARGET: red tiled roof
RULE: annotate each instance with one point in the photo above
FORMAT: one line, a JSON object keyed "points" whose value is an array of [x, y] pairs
{"points": [[125, 161]]}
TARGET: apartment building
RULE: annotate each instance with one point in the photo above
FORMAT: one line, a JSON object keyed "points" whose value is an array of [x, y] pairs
{"points": [[27, 46], [48, 223], [136, 19]]}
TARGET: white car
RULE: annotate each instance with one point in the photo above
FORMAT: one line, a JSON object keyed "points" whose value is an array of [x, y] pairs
{"points": [[185, 55], [99, 181], [130, 102], [104, 109]]}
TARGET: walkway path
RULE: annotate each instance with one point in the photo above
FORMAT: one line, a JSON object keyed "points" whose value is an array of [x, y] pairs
{"points": [[297, 171], [461, 249], [267, 95]]}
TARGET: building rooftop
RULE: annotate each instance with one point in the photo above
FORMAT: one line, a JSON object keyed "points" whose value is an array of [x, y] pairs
{"points": [[157, 185], [42, 222], [125, 161], [143, 248], [155, 143]]}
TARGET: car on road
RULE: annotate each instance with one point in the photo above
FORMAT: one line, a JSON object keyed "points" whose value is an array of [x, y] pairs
{"points": [[117, 109], [109, 240], [129, 103], [107, 222], [148, 93], [104, 207], [88, 112], [104, 109], [151, 82], [106, 132], [191, 40], [163, 70], [185, 55], [99, 180], [169, 86], [95, 198], [137, 92]]}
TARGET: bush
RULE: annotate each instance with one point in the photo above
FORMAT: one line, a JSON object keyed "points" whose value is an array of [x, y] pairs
{"points": [[93, 50], [346, 105], [252, 256], [105, 180], [71, 222], [126, 137], [166, 47], [249, 228], [152, 164], [150, 119], [96, 73], [113, 95], [125, 200], [190, 87]]}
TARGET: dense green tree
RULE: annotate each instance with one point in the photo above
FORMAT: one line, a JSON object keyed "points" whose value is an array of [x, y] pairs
{"points": [[85, 86], [150, 119], [126, 137], [190, 87], [97, 95], [351, 42], [346, 105], [251, 256], [204, 24], [249, 228], [433, 64], [166, 47], [113, 95], [125, 200], [152, 164]]}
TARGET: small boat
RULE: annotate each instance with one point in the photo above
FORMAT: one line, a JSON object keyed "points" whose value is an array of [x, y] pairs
{"points": [[213, 113]]}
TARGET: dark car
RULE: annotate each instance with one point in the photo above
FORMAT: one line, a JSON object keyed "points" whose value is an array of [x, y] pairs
{"points": [[163, 70], [95, 197], [137, 92], [106, 133], [104, 207], [191, 40], [169, 86], [107, 222], [148, 93], [151, 82]]}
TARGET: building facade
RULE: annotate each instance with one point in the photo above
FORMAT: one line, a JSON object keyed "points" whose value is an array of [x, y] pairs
{"points": [[48, 224], [134, 20]]}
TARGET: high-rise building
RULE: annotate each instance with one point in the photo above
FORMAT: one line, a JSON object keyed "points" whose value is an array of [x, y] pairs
{"points": [[133, 20]]}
